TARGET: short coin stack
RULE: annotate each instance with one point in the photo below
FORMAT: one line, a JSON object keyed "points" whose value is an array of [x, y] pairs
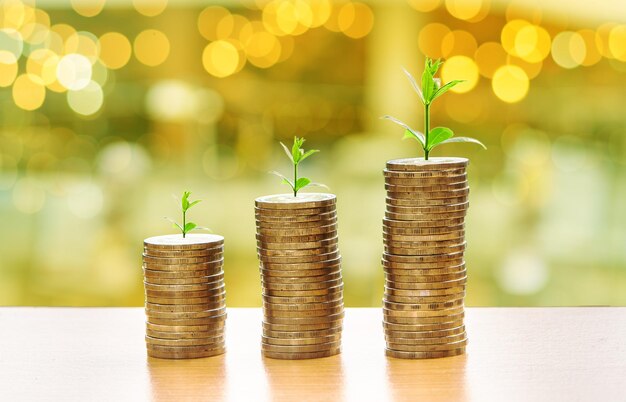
{"points": [[301, 279], [185, 296], [424, 243]]}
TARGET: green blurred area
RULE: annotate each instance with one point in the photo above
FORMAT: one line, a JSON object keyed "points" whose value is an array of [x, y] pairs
{"points": [[79, 193]]}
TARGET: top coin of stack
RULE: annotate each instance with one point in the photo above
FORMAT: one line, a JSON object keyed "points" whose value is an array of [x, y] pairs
{"points": [[300, 268], [424, 242], [185, 296]]}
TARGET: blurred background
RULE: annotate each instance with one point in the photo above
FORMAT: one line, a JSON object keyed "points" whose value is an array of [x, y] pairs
{"points": [[108, 107]]}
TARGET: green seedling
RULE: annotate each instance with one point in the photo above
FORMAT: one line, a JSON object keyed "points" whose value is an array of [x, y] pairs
{"points": [[186, 227], [297, 155], [431, 89]]}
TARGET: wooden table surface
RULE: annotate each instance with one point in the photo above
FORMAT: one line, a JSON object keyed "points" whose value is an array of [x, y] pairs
{"points": [[515, 354]]}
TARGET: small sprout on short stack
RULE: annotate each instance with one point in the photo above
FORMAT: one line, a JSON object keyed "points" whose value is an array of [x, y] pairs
{"points": [[186, 227], [297, 155]]}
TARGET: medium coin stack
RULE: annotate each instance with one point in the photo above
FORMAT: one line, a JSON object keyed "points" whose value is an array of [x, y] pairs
{"points": [[300, 268], [185, 296], [424, 243]]}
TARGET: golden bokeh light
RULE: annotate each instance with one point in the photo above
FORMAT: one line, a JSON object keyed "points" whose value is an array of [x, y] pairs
{"points": [[508, 35], [602, 39], [11, 45], [460, 68], [151, 47], [8, 72], [568, 49], [88, 8], [74, 71], [84, 43], [35, 26], [42, 66], [28, 93], [469, 10], [13, 13], [510, 83], [208, 21], [115, 50], [355, 20], [424, 6], [86, 101], [220, 58], [150, 8], [262, 49], [617, 42], [489, 57], [532, 43], [532, 70], [458, 43], [321, 10], [592, 55], [430, 39]]}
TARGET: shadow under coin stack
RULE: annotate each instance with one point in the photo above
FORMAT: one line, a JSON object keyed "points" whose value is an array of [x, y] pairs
{"points": [[300, 269], [424, 243], [185, 296]]}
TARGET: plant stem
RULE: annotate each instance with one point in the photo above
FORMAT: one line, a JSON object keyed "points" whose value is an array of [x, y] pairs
{"points": [[295, 179], [426, 128], [184, 223]]}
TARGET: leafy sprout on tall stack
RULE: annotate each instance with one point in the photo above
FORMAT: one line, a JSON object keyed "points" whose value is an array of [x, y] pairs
{"points": [[185, 204]]}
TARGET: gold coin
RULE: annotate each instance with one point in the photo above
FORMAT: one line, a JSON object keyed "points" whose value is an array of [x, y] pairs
{"points": [[424, 299], [180, 261], [421, 307], [457, 236], [169, 308], [328, 264], [187, 300], [303, 327], [302, 299], [302, 334], [302, 286], [392, 339], [302, 201], [410, 250], [305, 274], [433, 163], [430, 217], [424, 335], [175, 349], [188, 321], [390, 223], [298, 231], [422, 210], [183, 295], [294, 212], [299, 246], [422, 327], [297, 218], [299, 259], [300, 348], [427, 285], [426, 191], [426, 181], [304, 320], [182, 269], [183, 253], [302, 314], [429, 231], [423, 313], [428, 347], [183, 281], [295, 239], [424, 355], [186, 355], [423, 244], [185, 288], [184, 342], [425, 272], [423, 174], [313, 292], [411, 259], [301, 356], [151, 314], [426, 195], [452, 265], [303, 307], [423, 292], [302, 279], [264, 253], [193, 241], [183, 329], [392, 202], [422, 320], [218, 333], [301, 341], [262, 225], [393, 278]]}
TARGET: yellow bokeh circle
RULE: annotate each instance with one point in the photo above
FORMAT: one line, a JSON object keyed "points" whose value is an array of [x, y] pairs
{"points": [[424, 6], [220, 58], [430, 39], [150, 8], [510, 83], [115, 50], [355, 20], [489, 57], [569, 49], [8, 72], [460, 68], [532, 43], [151, 47], [88, 8], [28, 93], [617, 42]]}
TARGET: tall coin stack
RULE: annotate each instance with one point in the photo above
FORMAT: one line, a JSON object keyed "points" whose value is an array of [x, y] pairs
{"points": [[300, 268], [424, 243], [185, 296]]}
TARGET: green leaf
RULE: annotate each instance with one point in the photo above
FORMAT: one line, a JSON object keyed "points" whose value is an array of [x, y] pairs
{"points": [[302, 183], [427, 85], [285, 179], [438, 135], [193, 203], [287, 152], [319, 185], [308, 153], [418, 136], [175, 224], [189, 226], [408, 134], [446, 87], [296, 152], [185, 200], [414, 84], [464, 139]]}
